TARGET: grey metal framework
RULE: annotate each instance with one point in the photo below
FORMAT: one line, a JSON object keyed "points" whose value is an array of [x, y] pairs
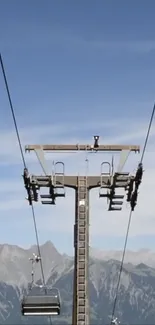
{"points": [[107, 182]]}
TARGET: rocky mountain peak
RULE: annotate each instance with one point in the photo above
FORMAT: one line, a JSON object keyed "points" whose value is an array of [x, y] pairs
{"points": [[136, 298]]}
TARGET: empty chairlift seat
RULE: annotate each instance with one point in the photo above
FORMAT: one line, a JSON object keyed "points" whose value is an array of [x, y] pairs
{"points": [[41, 304]]}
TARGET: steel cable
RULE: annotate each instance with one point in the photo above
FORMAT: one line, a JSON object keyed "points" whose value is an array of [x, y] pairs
{"points": [[130, 218], [24, 163]]}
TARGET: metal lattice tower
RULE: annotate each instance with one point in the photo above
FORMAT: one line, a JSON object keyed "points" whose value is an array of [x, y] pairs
{"points": [[82, 251], [107, 182]]}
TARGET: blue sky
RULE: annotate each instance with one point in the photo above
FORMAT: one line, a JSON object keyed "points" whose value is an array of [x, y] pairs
{"points": [[76, 69]]}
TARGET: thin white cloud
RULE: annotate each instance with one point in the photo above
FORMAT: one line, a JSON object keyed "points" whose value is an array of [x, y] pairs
{"points": [[41, 134], [69, 134], [12, 205], [68, 38], [136, 46]]}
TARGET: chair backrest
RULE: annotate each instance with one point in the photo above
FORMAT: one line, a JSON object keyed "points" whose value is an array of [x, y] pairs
{"points": [[45, 300]]}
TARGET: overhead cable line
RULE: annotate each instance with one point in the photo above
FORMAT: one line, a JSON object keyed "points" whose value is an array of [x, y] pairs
{"points": [[24, 163], [12, 110], [130, 218], [148, 133]]}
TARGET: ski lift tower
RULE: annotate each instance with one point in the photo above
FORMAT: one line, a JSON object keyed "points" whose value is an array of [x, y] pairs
{"points": [[56, 183]]}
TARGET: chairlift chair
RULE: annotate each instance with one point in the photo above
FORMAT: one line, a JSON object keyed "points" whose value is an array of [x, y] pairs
{"points": [[41, 305]]}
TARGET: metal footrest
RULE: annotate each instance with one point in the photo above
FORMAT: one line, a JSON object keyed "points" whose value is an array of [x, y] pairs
{"points": [[114, 208], [48, 196], [103, 195], [60, 195], [121, 184], [116, 205], [45, 196], [122, 174], [115, 196], [59, 185], [120, 180], [48, 202], [117, 202]]}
